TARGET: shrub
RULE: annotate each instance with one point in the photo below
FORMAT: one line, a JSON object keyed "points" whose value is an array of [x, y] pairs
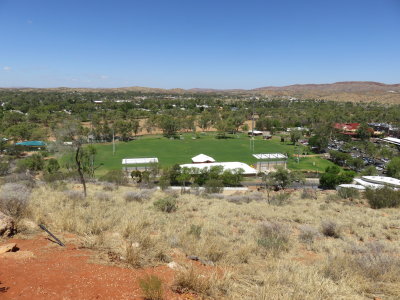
{"points": [[52, 165], [330, 229], [138, 195], [115, 176], [164, 183], [56, 176], [308, 194], [109, 186], [195, 230], [280, 199], [191, 281], [393, 168], [166, 205], [246, 198], [20, 178], [151, 287], [4, 167], [103, 196], [274, 237], [74, 195], [214, 186], [32, 163], [346, 193], [333, 176], [384, 197], [14, 199], [308, 234]]}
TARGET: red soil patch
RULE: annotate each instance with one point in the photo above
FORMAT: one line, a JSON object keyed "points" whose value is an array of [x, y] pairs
{"points": [[66, 273]]}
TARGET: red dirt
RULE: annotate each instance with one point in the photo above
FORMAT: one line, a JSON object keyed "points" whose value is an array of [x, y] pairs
{"points": [[66, 273]]}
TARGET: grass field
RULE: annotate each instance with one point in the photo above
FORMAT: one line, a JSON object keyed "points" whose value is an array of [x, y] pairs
{"points": [[170, 152]]}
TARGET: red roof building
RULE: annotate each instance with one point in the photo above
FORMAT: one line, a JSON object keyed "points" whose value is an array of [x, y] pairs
{"points": [[347, 128]]}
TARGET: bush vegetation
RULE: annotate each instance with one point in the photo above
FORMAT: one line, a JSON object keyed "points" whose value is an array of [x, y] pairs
{"points": [[384, 197], [167, 204]]}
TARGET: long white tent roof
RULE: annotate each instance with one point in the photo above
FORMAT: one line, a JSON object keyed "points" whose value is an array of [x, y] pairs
{"points": [[368, 184], [269, 155], [227, 166], [392, 140], [352, 186], [202, 158], [382, 180], [137, 161]]}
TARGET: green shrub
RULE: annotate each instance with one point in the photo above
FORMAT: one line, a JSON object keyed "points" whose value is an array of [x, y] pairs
{"points": [[32, 163], [393, 168], [151, 287], [333, 176], [166, 205], [384, 197], [346, 193], [115, 176], [52, 166], [195, 230], [214, 186], [164, 182], [56, 176]]}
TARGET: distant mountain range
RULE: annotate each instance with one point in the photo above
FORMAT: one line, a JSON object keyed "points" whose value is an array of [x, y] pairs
{"points": [[357, 91]]}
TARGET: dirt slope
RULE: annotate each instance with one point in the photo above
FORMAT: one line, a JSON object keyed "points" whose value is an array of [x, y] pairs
{"points": [[68, 273]]}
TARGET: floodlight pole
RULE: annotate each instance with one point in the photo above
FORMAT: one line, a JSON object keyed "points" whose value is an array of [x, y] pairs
{"points": [[252, 127], [113, 141]]}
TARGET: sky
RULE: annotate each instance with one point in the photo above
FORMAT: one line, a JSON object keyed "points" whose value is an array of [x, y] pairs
{"points": [[197, 44]]}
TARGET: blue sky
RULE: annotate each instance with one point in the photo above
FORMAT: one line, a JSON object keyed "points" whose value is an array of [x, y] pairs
{"points": [[188, 44]]}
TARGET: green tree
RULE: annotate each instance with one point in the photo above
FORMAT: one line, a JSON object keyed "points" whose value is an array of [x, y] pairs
{"points": [[364, 131], [52, 166], [169, 125], [393, 168], [295, 136], [319, 142], [333, 176]]}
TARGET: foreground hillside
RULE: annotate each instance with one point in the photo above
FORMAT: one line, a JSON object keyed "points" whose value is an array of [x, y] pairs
{"points": [[292, 245]]}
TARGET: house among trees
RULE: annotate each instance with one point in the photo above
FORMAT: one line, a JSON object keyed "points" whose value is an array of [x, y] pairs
{"points": [[32, 145], [347, 128]]}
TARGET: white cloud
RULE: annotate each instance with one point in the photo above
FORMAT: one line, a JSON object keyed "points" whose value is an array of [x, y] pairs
{"points": [[7, 68], [104, 77]]}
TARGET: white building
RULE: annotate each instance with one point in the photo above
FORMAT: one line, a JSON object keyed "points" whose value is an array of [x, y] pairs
{"points": [[202, 158], [226, 166]]}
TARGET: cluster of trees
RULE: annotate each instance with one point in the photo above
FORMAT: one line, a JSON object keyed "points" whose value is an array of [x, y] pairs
{"points": [[34, 115], [334, 176], [282, 178], [200, 177]]}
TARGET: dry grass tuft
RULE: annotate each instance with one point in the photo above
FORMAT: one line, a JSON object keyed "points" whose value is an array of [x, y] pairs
{"points": [[330, 229], [152, 287], [274, 237], [14, 199], [138, 196]]}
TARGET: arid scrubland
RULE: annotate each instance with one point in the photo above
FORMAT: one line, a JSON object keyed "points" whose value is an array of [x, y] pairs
{"points": [[309, 246]]}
